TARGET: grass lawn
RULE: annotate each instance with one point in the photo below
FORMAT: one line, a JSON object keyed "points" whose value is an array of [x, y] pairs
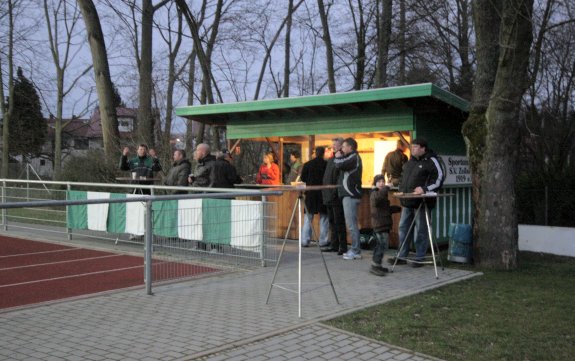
{"points": [[44, 216], [525, 314]]}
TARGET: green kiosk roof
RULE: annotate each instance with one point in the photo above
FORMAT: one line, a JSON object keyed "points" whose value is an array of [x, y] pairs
{"points": [[385, 109]]}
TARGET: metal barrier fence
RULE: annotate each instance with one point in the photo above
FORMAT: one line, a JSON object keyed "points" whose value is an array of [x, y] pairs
{"points": [[546, 206], [180, 235]]}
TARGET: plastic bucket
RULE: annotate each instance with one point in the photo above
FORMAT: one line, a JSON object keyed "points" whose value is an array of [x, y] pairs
{"points": [[460, 243]]}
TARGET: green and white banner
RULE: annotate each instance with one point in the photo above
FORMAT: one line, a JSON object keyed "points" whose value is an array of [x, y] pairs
{"points": [[237, 223], [88, 216], [113, 218]]}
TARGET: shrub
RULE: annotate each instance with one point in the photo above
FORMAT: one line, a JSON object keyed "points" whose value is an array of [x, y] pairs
{"points": [[90, 168]]}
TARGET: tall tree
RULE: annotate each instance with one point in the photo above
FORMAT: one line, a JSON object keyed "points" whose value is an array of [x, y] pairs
{"points": [[27, 125], [174, 40], [330, 69], [360, 30], [145, 124], [60, 44], [8, 109], [402, 42], [269, 48], [204, 56], [287, 49], [383, 41], [492, 131], [104, 85], [448, 42]]}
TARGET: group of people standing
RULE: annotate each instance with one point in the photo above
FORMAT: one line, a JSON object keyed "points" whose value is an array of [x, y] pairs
{"points": [[420, 174], [210, 171], [341, 166]]}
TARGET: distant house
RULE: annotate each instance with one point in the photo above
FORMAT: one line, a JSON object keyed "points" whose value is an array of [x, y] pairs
{"points": [[79, 136]]}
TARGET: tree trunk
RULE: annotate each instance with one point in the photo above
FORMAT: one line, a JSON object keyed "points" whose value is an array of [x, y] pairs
{"points": [[8, 112], [466, 75], [492, 128], [200, 53], [103, 82], [58, 125], [361, 48], [6, 124], [145, 124], [189, 141], [287, 50], [61, 61], [487, 24], [172, 74], [402, 43], [328, 47], [383, 42]]}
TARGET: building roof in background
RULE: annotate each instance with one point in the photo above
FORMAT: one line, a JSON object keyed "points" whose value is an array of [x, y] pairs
{"points": [[89, 128]]}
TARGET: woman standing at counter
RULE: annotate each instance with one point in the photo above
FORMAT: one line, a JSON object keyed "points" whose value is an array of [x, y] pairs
{"points": [[269, 172]]}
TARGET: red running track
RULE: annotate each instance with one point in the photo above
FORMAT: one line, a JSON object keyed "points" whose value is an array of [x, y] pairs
{"points": [[33, 272]]}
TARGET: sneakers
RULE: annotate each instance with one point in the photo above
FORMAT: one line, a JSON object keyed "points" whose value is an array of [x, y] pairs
{"points": [[327, 249], [378, 270], [399, 261], [352, 255], [417, 264]]}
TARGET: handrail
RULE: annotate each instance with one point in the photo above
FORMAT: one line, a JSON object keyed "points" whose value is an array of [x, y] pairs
{"points": [[146, 198], [126, 185]]}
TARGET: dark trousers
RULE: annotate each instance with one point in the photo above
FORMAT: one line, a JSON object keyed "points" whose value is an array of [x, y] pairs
{"points": [[337, 230]]}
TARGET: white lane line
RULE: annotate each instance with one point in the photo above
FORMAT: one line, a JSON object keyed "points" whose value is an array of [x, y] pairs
{"points": [[43, 252], [61, 262], [71, 276]]}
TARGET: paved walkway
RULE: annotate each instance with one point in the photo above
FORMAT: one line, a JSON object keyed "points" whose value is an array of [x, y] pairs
{"points": [[224, 317]]}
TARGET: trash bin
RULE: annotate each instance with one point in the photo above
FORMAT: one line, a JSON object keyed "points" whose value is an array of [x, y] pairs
{"points": [[460, 243]]}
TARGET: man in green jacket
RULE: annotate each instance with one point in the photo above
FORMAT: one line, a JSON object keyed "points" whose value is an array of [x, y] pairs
{"points": [[143, 165]]}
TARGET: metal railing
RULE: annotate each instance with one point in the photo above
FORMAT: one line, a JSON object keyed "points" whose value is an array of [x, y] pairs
{"points": [[231, 232], [546, 206]]}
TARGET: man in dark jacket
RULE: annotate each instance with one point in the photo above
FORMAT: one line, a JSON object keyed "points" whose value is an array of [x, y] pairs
{"points": [[421, 174], [338, 236], [178, 174], [348, 162], [312, 174], [224, 174], [203, 174]]}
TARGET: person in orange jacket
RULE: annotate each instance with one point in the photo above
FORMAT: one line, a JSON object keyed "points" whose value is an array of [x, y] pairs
{"points": [[269, 172]]}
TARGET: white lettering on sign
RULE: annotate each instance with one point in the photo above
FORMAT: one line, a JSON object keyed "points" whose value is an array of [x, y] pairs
{"points": [[458, 170]]}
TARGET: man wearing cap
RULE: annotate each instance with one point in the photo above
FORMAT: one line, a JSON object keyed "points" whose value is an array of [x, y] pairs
{"points": [[421, 174]]}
